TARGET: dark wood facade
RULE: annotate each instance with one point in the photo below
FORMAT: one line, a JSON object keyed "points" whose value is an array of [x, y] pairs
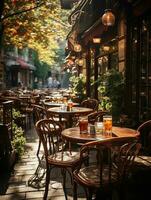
{"points": [[139, 66], [129, 41]]}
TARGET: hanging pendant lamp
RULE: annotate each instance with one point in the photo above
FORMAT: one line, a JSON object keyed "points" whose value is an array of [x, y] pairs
{"points": [[77, 47], [108, 18]]}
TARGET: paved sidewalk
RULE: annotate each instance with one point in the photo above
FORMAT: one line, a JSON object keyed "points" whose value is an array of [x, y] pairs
{"points": [[27, 179]]}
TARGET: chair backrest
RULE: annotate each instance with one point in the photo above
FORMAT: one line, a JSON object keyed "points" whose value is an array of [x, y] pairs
{"points": [[113, 158], [49, 133], [90, 103], [145, 137], [96, 116], [39, 113], [36, 99], [26, 103]]}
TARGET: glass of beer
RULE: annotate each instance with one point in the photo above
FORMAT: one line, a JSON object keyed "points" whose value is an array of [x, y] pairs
{"points": [[107, 124], [70, 105], [83, 125]]}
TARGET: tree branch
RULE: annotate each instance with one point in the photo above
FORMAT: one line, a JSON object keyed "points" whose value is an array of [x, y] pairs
{"points": [[22, 11], [27, 10], [63, 24]]}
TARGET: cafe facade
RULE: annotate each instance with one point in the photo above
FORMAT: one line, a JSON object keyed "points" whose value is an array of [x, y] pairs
{"points": [[124, 45]]}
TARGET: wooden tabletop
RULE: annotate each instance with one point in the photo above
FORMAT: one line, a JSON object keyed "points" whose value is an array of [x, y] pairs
{"points": [[69, 115], [55, 104], [73, 134], [75, 110]]}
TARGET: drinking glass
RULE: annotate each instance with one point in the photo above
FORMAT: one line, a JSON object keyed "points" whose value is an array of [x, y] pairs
{"points": [[107, 124], [70, 105], [65, 100], [83, 124], [99, 127]]}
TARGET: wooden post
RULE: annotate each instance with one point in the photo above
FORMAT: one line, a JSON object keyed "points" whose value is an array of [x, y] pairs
{"points": [[88, 72], [96, 53]]}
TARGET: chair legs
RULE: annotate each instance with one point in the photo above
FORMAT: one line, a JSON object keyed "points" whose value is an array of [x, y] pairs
{"points": [[74, 190], [39, 145], [63, 171], [89, 194], [47, 182]]}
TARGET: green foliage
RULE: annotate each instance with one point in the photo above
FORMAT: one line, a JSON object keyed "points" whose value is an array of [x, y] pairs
{"points": [[112, 90], [19, 140], [42, 28], [105, 104], [78, 85], [16, 114], [41, 70]]}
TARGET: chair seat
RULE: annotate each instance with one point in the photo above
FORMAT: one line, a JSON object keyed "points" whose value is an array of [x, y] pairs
{"points": [[27, 110], [64, 158], [57, 119], [143, 161], [104, 172], [90, 175]]}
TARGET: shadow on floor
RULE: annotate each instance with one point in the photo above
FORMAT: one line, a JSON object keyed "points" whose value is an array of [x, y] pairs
{"points": [[137, 187], [37, 180], [4, 180]]}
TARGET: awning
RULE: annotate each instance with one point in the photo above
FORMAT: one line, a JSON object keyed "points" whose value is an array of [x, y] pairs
{"points": [[83, 19], [31, 67], [11, 61], [22, 63]]}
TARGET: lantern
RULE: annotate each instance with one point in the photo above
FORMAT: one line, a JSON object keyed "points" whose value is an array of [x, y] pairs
{"points": [[108, 18], [80, 62], [77, 48], [96, 40]]}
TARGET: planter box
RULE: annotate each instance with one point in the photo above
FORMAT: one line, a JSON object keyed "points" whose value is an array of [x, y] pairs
{"points": [[7, 153]]}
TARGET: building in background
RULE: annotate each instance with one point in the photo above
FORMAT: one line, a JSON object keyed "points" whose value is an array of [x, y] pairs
{"points": [[18, 67]]}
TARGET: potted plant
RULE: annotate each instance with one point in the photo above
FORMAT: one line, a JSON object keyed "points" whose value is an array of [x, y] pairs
{"points": [[111, 92], [18, 140], [78, 85]]}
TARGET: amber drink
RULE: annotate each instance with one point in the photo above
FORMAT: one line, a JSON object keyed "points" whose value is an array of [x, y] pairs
{"points": [[70, 105], [107, 124], [83, 125]]}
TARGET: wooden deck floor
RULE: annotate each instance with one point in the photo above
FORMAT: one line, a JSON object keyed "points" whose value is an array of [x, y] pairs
{"points": [[26, 180]]}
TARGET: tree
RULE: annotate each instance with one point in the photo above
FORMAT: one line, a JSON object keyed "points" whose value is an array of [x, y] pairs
{"points": [[34, 24]]}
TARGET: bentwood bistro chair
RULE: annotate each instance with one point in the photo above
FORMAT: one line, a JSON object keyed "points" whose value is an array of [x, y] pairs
{"points": [[96, 116], [90, 103], [109, 163], [39, 113], [57, 152], [143, 161]]}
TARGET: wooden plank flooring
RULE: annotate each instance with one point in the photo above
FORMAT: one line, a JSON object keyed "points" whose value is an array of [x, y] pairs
{"points": [[26, 180]]}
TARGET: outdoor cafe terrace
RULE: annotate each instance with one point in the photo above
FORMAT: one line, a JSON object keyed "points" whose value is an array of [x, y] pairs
{"points": [[24, 164], [75, 119]]}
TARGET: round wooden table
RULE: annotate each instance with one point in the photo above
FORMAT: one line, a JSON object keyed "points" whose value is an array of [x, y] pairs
{"points": [[56, 104], [73, 134], [78, 111]]}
